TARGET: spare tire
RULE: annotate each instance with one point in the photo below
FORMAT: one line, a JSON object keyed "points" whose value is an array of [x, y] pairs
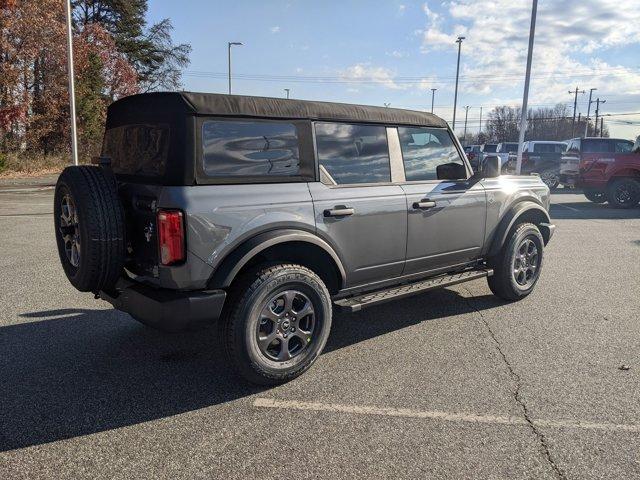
{"points": [[89, 227]]}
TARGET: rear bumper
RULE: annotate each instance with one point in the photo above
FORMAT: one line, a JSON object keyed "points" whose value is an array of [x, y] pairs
{"points": [[165, 309]]}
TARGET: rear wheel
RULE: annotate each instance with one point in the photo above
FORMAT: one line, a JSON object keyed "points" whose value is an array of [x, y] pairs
{"points": [[623, 193], [277, 323], [517, 266], [595, 196]]}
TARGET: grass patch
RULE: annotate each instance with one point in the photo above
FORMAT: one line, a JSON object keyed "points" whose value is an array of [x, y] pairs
{"points": [[14, 165]]}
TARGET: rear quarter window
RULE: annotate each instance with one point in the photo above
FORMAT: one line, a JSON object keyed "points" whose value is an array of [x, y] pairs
{"points": [[233, 148]]}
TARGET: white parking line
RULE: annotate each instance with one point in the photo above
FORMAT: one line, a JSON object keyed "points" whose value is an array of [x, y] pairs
{"points": [[566, 206], [436, 415]]}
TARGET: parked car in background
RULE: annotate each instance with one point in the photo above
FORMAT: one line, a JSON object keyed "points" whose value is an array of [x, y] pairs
{"points": [[503, 150], [541, 157], [607, 169], [473, 155]]}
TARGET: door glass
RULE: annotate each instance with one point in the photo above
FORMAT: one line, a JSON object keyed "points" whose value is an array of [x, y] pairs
{"points": [[429, 154], [623, 146], [351, 153]]}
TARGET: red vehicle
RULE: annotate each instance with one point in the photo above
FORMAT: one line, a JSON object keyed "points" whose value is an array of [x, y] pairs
{"points": [[607, 169]]}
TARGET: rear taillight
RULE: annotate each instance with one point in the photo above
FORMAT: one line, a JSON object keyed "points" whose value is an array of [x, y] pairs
{"points": [[171, 236]]}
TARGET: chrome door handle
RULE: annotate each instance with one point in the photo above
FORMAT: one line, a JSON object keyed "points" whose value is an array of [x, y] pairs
{"points": [[424, 204], [339, 211]]}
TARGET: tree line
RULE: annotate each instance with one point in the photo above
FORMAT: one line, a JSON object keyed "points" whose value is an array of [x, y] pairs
{"points": [[116, 53], [546, 123]]}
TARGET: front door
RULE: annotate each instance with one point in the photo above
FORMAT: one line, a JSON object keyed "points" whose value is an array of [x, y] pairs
{"points": [[446, 212], [357, 209]]}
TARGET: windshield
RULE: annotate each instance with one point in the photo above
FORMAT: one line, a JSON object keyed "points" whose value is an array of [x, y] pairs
{"points": [[490, 148], [510, 147]]}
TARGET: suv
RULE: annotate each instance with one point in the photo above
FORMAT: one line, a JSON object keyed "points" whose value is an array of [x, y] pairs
{"points": [[607, 169], [503, 150], [541, 157], [267, 213]]}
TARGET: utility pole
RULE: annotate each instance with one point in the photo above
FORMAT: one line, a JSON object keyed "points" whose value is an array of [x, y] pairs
{"points": [[287, 90], [601, 126], [598, 102], [455, 96], [575, 107], [433, 95], [480, 130], [466, 115], [525, 97], [229, 45], [586, 126], [72, 87]]}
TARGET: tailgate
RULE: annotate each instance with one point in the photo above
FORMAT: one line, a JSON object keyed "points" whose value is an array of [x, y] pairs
{"points": [[139, 202]]}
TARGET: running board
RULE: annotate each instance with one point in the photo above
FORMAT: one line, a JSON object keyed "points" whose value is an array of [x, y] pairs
{"points": [[359, 302]]}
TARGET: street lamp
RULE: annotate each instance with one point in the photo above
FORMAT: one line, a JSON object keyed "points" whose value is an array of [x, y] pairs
{"points": [[229, 45], [433, 94], [455, 97]]}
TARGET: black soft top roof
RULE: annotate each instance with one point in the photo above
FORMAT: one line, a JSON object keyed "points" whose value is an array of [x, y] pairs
{"points": [[189, 103]]}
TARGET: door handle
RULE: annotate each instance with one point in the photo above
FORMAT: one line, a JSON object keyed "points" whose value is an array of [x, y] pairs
{"points": [[339, 211], [424, 204]]}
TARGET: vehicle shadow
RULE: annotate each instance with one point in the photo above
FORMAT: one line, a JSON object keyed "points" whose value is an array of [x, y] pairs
{"points": [[591, 211], [73, 372]]}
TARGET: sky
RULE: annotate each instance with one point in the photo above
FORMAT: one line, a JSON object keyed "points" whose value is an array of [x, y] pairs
{"points": [[395, 51]]}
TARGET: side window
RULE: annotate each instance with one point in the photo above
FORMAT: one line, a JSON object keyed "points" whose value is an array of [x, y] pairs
{"points": [[352, 153], [597, 146], [429, 154], [241, 148], [623, 146]]}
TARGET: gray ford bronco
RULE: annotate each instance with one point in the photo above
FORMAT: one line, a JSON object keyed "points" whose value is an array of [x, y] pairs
{"points": [[268, 213]]}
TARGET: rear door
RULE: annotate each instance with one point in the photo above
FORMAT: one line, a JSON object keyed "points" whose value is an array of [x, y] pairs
{"points": [[357, 208], [446, 211]]}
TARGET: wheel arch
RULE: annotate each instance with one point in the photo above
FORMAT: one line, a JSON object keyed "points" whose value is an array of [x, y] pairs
{"points": [[287, 245], [525, 210]]}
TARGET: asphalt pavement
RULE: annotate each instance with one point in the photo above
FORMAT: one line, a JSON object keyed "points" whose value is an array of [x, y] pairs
{"points": [[449, 384]]}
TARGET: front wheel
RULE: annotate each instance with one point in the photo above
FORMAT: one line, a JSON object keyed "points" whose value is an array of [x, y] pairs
{"points": [[517, 267], [595, 196], [277, 323], [623, 193]]}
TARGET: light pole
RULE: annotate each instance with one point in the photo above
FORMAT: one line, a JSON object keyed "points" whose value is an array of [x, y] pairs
{"points": [[466, 115], [455, 96], [433, 94], [480, 129], [586, 123], [525, 97], [72, 88], [287, 91], [229, 45]]}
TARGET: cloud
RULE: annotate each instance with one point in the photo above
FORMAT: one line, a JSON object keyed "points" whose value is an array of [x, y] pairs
{"points": [[401, 9], [570, 45], [365, 72], [397, 54], [275, 29]]}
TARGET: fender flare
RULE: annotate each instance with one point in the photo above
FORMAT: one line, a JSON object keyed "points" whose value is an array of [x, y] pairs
{"points": [[242, 254], [509, 219]]}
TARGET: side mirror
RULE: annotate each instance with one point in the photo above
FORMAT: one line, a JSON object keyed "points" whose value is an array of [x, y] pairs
{"points": [[451, 171], [490, 167]]}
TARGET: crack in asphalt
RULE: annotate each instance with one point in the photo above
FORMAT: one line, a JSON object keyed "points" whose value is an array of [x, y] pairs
{"points": [[517, 393]]}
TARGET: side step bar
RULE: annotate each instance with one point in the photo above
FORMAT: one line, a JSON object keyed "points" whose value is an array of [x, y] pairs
{"points": [[359, 302]]}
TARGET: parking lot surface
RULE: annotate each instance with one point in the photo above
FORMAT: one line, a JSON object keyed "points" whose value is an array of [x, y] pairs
{"points": [[449, 384]]}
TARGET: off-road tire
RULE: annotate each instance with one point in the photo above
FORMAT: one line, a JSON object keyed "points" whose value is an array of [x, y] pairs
{"points": [[100, 227], [502, 283], [245, 301], [623, 193], [595, 196], [550, 178]]}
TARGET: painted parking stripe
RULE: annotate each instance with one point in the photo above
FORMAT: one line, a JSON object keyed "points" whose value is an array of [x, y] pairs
{"points": [[436, 415]]}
